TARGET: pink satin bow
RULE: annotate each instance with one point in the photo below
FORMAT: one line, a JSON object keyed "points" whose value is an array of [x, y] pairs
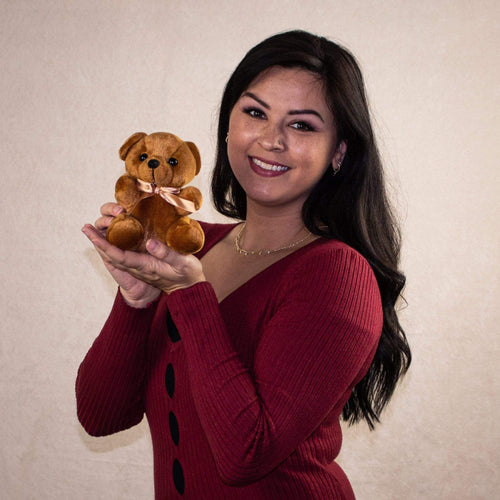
{"points": [[169, 194]]}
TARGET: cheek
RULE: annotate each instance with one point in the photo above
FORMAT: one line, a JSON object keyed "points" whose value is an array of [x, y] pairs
{"points": [[322, 154], [309, 155], [237, 160], [242, 128], [239, 143]]}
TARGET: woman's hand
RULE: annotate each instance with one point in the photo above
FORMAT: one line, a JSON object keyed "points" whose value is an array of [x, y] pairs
{"points": [[142, 277]]}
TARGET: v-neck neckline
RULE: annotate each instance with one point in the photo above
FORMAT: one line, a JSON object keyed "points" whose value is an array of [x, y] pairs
{"points": [[259, 274]]}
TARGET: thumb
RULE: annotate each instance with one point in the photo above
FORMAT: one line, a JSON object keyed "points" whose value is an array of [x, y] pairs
{"points": [[157, 249]]}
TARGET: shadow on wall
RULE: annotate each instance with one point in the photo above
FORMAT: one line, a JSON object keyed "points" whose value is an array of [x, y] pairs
{"points": [[114, 441]]}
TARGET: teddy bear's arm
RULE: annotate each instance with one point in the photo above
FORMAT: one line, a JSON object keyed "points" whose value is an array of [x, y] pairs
{"points": [[192, 194], [126, 192]]}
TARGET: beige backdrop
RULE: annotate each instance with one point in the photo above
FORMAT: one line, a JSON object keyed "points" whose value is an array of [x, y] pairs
{"points": [[78, 77]]}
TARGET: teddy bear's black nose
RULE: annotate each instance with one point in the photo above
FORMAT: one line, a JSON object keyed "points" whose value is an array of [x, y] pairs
{"points": [[153, 163]]}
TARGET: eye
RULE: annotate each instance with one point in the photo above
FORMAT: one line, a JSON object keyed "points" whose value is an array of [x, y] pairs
{"points": [[143, 157], [254, 112], [303, 126], [172, 161]]}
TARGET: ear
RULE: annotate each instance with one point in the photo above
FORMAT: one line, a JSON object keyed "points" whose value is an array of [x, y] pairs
{"points": [[133, 139], [196, 154], [340, 152]]}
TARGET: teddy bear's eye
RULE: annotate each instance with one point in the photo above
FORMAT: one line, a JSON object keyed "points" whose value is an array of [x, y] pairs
{"points": [[143, 156], [172, 161]]}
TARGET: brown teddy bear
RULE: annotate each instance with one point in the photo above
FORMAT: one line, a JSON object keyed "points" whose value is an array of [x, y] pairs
{"points": [[158, 166]]}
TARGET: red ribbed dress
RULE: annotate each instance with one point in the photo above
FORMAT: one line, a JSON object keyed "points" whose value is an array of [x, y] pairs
{"points": [[243, 398]]}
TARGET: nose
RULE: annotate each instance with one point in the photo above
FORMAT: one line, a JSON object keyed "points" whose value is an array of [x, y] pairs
{"points": [[153, 163], [272, 139]]}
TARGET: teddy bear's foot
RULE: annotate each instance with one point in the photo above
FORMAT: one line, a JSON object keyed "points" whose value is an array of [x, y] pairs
{"points": [[125, 232], [186, 236]]}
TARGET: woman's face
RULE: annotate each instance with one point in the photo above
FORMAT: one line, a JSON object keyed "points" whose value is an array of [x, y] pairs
{"points": [[282, 137]]}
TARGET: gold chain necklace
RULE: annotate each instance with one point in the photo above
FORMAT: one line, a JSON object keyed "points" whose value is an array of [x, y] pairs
{"points": [[264, 251]]}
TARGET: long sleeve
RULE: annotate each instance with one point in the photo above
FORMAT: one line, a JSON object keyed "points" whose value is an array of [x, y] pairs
{"points": [[109, 384], [313, 348]]}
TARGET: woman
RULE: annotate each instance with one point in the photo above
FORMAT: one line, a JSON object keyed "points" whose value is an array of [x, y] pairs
{"points": [[245, 357]]}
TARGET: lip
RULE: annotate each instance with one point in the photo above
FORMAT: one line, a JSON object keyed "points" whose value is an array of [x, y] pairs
{"points": [[264, 172]]}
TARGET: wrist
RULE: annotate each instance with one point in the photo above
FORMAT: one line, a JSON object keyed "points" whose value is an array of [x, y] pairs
{"points": [[141, 303], [183, 286]]}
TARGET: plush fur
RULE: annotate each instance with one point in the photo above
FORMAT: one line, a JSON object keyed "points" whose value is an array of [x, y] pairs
{"points": [[160, 159]]}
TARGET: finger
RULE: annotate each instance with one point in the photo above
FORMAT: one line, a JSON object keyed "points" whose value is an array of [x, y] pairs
{"points": [[163, 252], [94, 235], [109, 253], [106, 259], [102, 223], [176, 262], [90, 231], [147, 268], [157, 249], [122, 259], [96, 238], [112, 209]]}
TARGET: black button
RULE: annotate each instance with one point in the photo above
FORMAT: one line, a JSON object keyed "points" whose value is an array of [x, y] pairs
{"points": [[178, 477], [173, 333], [174, 427], [170, 380]]}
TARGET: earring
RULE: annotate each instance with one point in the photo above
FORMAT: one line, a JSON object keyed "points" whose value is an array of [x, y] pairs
{"points": [[227, 137], [336, 170]]}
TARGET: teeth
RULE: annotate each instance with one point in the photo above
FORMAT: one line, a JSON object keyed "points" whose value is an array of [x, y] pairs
{"points": [[267, 166]]}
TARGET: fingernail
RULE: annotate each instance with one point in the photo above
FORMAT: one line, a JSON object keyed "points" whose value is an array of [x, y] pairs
{"points": [[117, 210], [152, 245]]}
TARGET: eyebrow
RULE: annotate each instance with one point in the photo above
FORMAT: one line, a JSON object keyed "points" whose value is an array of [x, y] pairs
{"points": [[292, 112]]}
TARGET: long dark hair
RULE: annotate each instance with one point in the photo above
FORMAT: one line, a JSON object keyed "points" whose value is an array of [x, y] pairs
{"points": [[351, 206]]}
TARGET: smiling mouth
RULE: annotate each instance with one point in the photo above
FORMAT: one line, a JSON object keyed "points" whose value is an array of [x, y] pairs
{"points": [[269, 166]]}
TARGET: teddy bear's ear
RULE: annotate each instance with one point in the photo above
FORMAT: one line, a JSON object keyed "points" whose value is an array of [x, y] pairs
{"points": [[133, 139], [196, 154]]}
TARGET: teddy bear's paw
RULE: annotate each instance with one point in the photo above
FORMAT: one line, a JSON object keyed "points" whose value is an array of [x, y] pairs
{"points": [[186, 236], [125, 232]]}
